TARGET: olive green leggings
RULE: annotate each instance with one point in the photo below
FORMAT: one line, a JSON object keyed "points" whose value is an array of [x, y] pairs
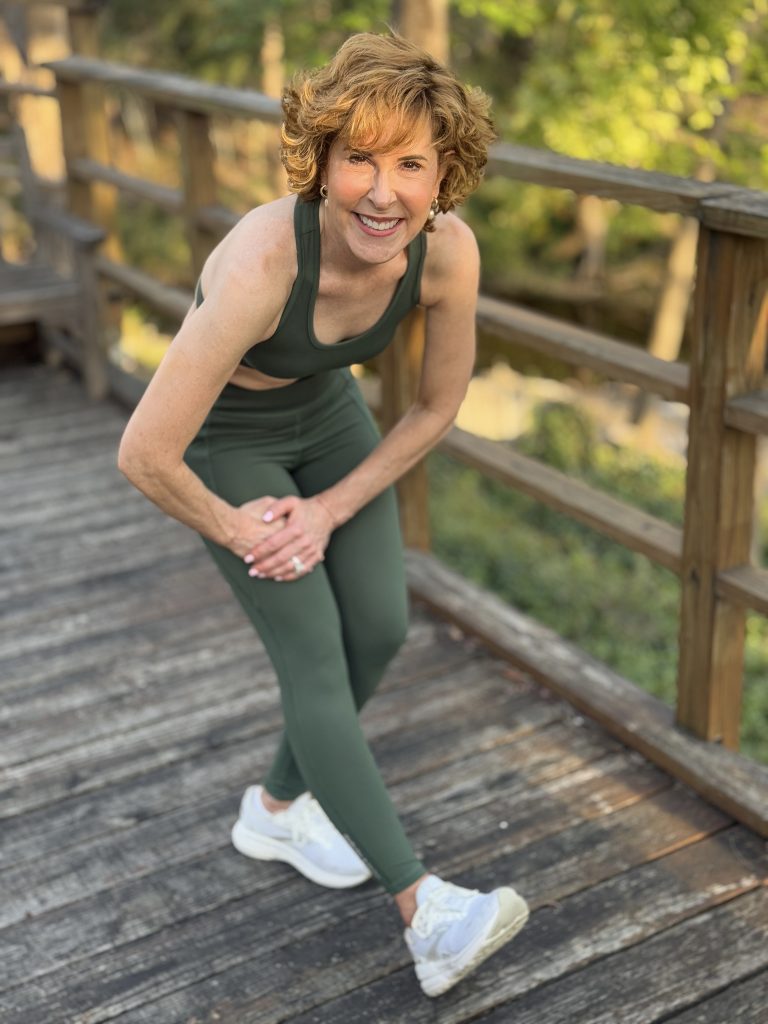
{"points": [[331, 633]]}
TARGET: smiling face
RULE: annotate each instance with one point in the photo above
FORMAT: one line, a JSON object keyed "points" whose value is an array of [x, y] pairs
{"points": [[379, 197]]}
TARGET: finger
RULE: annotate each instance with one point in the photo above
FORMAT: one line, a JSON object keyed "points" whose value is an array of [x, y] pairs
{"points": [[267, 553], [281, 507]]}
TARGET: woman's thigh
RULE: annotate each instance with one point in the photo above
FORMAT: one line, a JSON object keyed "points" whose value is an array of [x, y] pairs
{"points": [[364, 558]]}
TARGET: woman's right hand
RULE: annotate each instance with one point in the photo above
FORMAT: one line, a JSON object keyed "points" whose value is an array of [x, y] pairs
{"points": [[250, 527]]}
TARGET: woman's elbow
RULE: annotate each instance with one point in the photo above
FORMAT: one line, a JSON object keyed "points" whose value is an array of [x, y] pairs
{"points": [[133, 460]]}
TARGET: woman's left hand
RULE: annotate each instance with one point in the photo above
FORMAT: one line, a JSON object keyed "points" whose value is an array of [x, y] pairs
{"points": [[296, 549]]}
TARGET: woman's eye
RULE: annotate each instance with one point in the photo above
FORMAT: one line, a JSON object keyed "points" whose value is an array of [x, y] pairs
{"points": [[412, 165], [357, 158]]}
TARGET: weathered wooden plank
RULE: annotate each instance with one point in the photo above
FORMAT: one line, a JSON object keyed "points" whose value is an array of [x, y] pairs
{"points": [[746, 585], [172, 689], [197, 169], [743, 211], [570, 947], [627, 184], [169, 89], [96, 923], [399, 366], [168, 598], [140, 754], [748, 412], [174, 302], [162, 740], [635, 529], [581, 347], [727, 357], [697, 957], [65, 874], [743, 1001], [255, 974], [167, 198], [732, 782]]}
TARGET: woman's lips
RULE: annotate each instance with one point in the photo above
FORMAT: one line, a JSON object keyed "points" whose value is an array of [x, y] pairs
{"points": [[391, 224]]}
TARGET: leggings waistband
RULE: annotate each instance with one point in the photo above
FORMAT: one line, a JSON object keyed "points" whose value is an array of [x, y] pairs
{"points": [[290, 397]]}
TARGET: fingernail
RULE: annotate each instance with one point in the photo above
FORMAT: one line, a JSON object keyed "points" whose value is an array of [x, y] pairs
{"points": [[279, 579], [254, 572], [267, 517], [248, 559]]}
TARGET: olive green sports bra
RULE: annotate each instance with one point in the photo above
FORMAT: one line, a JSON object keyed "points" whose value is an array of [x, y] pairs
{"points": [[293, 350]]}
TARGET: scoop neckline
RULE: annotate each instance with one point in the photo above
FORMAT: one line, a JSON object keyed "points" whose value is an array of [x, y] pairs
{"points": [[316, 285]]}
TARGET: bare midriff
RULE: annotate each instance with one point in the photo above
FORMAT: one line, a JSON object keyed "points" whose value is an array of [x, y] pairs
{"points": [[247, 377]]}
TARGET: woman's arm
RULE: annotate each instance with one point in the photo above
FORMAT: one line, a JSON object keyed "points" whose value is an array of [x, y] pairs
{"points": [[198, 363], [449, 357]]}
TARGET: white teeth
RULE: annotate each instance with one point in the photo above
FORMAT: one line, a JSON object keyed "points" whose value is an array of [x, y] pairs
{"points": [[378, 225]]}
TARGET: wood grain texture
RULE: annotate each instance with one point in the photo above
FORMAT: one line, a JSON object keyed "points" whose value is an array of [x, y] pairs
{"points": [[734, 783], [635, 529], [137, 703], [727, 358], [578, 346]]}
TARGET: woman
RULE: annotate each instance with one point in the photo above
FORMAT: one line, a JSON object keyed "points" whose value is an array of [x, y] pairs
{"points": [[253, 433]]}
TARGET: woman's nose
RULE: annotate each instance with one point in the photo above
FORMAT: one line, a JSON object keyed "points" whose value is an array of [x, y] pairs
{"points": [[381, 193]]}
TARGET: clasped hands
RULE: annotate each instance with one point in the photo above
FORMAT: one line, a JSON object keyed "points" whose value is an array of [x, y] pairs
{"points": [[282, 538]]}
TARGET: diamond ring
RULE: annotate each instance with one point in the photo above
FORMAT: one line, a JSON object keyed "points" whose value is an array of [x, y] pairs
{"points": [[297, 564]]}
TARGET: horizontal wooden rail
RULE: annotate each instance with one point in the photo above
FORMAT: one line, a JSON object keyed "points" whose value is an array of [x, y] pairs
{"points": [[748, 412], [217, 219], [173, 302], [745, 585], [174, 90], [744, 212], [77, 6], [727, 207], [629, 526], [167, 198], [580, 347], [725, 778], [24, 89]]}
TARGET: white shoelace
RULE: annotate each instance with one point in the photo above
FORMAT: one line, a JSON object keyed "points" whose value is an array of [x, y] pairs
{"points": [[308, 823], [448, 903]]}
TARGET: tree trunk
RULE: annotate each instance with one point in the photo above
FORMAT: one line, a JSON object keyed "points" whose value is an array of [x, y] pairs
{"points": [[424, 22]]}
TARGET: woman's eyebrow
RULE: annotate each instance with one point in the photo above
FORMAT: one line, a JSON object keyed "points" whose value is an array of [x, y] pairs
{"points": [[369, 152]]}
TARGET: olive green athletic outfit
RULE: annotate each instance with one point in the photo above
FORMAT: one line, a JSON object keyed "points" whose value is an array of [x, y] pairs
{"points": [[331, 633]]}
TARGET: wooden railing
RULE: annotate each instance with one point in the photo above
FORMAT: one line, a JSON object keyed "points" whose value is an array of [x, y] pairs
{"points": [[723, 383]]}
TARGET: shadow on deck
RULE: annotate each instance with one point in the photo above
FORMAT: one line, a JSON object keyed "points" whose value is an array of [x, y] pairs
{"points": [[137, 705]]}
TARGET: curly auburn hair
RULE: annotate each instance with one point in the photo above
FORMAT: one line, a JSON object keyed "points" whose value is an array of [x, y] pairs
{"points": [[372, 94]]}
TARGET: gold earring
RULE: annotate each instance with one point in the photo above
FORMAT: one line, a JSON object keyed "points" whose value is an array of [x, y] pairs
{"points": [[433, 210], [324, 193]]}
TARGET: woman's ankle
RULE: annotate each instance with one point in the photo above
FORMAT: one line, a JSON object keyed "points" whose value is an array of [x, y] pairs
{"points": [[406, 900], [271, 803]]}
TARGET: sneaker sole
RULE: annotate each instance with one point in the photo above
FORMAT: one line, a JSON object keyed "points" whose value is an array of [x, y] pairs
{"points": [[261, 847], [512, 916]]}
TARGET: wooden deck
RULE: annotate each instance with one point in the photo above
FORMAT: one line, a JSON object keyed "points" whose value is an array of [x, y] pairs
{"points": [[137, 705]]}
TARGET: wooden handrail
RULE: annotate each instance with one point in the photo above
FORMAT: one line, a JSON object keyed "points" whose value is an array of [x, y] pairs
{"points": [[165, 87], [581, 347], [635, 529], [748, 412], [86, 170]]}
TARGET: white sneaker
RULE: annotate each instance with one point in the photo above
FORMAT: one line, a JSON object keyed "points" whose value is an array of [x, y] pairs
{"points": [[301, 835], [455, 929]]}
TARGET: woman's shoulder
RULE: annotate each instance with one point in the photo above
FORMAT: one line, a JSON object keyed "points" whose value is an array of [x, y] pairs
{"points": [[261, 243], [452, 257]]}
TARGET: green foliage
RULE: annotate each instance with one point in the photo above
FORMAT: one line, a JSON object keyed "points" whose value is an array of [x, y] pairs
{"points": [[611, 602]]}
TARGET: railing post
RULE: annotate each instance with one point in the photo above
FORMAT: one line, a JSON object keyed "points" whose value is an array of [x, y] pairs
{"points": [[89, 136], [399, 366], [197, 160], [727, 359]]}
